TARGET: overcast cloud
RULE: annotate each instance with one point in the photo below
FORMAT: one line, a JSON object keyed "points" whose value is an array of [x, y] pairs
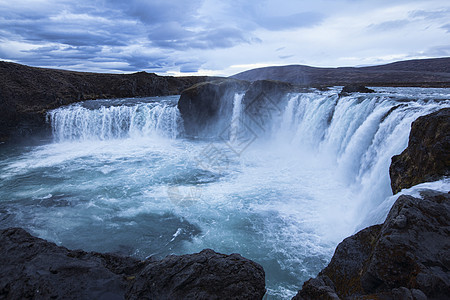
{"points": [[219, 37]]}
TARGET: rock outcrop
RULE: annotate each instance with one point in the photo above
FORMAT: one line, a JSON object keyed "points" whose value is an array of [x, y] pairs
{"points": [[34, 268], [209, 105], [407, 257], [427, 157], [205, 275], [354, 88], [26, 93]]}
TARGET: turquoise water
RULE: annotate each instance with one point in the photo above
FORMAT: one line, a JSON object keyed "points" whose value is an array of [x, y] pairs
{"points": [[119, 176]]}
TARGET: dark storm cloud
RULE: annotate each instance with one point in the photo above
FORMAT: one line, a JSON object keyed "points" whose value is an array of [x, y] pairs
{"points": [[178, 35], [162, 26], [79, 52], [173, 35], [189, 68], [159, 11], [152, 62], [255, 15], [76, 30], [76, 38]]}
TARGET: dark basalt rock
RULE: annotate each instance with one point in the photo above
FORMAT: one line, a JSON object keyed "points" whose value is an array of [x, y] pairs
{"points": [[427, 157], [32, 268], [205, 275], [26, 93], [209, 105], [354, 88], [270, 88], [35, 268], [407, 257], [264, 100]]}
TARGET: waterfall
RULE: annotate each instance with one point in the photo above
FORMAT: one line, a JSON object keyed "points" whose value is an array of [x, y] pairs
{"points": [[283, 189], [236, 116], [85, 121], [354, 136]]}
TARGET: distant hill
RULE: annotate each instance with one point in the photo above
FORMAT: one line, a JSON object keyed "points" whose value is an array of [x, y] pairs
{"points": [[420, 72]]}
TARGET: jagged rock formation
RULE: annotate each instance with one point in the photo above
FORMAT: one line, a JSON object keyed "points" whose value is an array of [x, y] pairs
{"points": [[407, 257], [427, 157], [35, 268], [421, 72], [26, 93]]}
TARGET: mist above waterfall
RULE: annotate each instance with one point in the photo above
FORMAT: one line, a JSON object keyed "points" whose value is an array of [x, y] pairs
{"points": [[279, 178]]}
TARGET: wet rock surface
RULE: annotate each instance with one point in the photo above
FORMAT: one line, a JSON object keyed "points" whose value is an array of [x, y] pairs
{"points": [[209, 105], [427, 157], [37, 269], [32, 267], [406, 257], [206, 275]]}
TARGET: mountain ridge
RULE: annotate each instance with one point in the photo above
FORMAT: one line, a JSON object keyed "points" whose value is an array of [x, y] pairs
{"points": [[434, 72]]}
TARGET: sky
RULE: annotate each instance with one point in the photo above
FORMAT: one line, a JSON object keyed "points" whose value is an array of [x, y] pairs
{"points": [[219, 37]]}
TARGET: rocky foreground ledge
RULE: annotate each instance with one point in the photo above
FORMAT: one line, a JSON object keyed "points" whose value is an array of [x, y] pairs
{"points": [[32, 268]]}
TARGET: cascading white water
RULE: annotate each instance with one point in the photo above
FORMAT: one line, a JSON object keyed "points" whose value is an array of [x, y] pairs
{"points": [[122, 120], [356, 135], [121, 177], [236, 116]]}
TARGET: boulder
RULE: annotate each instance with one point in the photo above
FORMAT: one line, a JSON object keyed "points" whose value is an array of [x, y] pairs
{"points": [[406, 257], [427, 157], [354, 88], [205, 275], [35, 268], [32, 268]]}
